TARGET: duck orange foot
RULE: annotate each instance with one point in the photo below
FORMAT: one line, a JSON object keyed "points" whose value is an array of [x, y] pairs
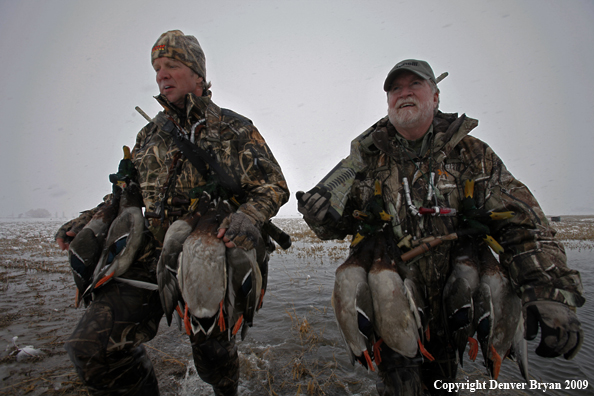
{"points": [[473, 351]]}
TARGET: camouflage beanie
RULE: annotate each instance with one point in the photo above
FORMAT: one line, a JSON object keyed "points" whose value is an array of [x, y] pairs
{"points": [[186, 49]]}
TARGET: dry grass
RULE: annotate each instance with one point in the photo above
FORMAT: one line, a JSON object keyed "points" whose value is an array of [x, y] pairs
{"points": [[309, 375], [303, 373], [576, 232]]}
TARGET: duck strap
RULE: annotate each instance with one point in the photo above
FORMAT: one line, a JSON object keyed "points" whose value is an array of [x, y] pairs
{"points": [[199, 158]]}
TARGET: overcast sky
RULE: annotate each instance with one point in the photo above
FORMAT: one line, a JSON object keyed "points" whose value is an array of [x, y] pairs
{"points": [[309, 74]]}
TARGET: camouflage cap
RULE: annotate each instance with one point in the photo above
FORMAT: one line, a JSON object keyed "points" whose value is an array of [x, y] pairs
{"points": [[419, 67], [186, 49]]}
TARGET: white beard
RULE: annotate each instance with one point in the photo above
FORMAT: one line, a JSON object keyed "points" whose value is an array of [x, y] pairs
{"points": [[403, 118]]}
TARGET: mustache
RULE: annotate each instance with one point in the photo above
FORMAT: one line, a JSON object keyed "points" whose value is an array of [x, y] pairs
{"points": [[401, 102]]}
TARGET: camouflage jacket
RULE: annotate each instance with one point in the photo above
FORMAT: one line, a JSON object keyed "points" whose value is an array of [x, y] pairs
{"points": [[229, 137], [535, 260]]}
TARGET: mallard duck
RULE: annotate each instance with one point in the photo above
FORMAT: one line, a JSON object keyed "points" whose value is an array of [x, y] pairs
{"points": [[353, 307], [167, 265], [396, 314], [497, 312], [124, 238], [85, 249], [458, 303], [202, 272]]}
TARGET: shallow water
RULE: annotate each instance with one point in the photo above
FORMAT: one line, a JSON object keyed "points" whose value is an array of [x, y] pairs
{"points": [[294, 347]]}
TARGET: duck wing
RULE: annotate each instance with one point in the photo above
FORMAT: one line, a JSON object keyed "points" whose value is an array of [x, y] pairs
{"points": [[167, 265]]}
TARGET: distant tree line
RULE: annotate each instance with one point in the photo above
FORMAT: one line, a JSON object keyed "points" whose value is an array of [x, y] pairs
{"points": [[37, 214]]}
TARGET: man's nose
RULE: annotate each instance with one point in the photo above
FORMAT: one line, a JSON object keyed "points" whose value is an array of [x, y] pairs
{"points": [[402, 95], [162, 74], [406, 91]]}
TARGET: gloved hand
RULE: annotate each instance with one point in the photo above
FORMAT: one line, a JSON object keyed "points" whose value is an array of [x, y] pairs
{"points": [[561, 330], [237, 230], [314, 204]]}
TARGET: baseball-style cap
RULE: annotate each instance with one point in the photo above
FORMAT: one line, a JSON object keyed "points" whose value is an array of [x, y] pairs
{"points": [[419, 67]]}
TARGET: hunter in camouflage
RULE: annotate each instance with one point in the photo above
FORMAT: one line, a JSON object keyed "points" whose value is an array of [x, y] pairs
{"points": [[106, 347], [429, 171]]}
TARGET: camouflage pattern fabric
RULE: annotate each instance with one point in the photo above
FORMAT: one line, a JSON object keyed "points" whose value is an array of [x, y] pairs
{"points": [[231, 139], [186, 49], [106, 345], [535, 259], [217, 362]]}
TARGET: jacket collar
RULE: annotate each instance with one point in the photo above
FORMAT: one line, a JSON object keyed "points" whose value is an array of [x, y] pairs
{"points": [[195, 107], [448, 130]]}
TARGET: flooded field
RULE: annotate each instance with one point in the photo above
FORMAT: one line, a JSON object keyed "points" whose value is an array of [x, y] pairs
{"points": [[294, 348]]}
